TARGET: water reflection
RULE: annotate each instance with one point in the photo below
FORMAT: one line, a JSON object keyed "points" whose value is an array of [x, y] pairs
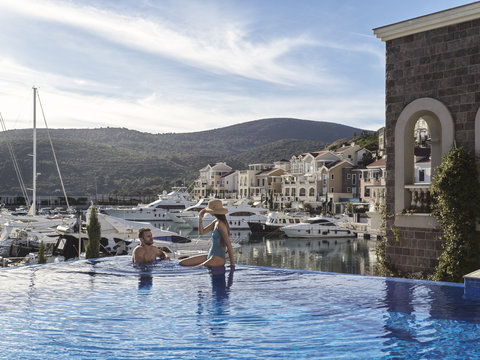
{"points": [[220, 285], [145, 282], [213, 311], [352, 256]]}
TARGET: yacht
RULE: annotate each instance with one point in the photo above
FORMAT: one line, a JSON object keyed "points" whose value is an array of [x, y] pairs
{"points": [[318, 227], [191, 211], [275, 221], [174, 201], [238, 216]]}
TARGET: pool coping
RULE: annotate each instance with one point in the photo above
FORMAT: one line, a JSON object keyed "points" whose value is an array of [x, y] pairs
{"points": [[417, 281]]}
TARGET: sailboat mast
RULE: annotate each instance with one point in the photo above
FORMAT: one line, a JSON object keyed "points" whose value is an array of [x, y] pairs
{"points": [[34, 203]]}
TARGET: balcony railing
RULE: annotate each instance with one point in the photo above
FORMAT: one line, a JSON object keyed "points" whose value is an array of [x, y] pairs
{"points": [[374, 182], [421, 199]]}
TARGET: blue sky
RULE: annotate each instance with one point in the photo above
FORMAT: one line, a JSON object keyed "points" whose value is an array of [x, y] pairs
{"points": [[182, 66]]}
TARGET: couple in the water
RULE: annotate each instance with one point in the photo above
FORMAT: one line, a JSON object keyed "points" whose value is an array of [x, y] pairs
{"points": [[147, 253]]}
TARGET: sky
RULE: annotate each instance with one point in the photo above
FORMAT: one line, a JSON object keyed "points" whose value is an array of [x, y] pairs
{"points": [[163, 66]]}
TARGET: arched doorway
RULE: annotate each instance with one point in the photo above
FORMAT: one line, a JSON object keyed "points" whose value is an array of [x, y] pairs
{"points": [[441, 126]]}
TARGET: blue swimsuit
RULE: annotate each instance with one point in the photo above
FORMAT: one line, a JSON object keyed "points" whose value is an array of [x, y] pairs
{"points": [[216, 248]]}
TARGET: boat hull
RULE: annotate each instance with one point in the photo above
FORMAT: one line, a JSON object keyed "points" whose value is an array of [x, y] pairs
{"points": [[235, 223], [263, 228], [312, 232], [138, 215]]}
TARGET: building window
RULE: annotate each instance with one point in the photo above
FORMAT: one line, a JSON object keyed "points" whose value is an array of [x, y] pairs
{"points": [[324, 179], [333, 177], [354, 179], [349, 189], [367, 192], [421, 175], [348, 176], [332, 190]]}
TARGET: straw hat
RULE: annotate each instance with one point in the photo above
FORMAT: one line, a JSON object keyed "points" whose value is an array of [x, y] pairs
{"points": [[215, 207]]}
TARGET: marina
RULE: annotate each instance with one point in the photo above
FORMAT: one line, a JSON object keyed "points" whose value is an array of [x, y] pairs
{"points": [[344, 255]]}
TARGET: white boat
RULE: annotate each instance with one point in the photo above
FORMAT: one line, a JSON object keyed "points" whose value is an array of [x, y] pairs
{"points": [[275, 221], [318, 227], [238, 216], [17, 239], [174, 201], [37, 222], [191, 211]]}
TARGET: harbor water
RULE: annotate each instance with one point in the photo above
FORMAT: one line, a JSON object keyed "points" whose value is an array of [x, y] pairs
{"points": [[340, 255]]}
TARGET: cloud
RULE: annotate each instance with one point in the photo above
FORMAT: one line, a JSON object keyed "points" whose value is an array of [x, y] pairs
{"points": [[239, 75], [158, 113], [226, 51]]}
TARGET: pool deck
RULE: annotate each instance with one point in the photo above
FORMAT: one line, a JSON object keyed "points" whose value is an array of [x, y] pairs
{"points": [[472, 285]]}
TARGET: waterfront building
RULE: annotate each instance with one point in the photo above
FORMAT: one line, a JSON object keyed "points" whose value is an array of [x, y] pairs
{"points": [[267, 184], [381, 142], [229, 184], [373, 185], [282, 164], [352, 153], [327, 180], [247, 179], [432, 72], [209, 183]]}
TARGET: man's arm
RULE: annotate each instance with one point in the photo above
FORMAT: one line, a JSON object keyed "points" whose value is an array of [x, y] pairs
{"points": [[162, 255]]}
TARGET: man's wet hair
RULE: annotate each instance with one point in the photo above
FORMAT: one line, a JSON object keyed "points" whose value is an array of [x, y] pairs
{"points": [[141, 231]]}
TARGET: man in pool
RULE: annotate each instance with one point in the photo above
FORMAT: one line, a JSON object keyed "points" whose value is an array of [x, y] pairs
{"points": [[145, 252]]}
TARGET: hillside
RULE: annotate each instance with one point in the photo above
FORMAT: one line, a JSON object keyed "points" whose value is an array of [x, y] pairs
{"points": [[122, 161]]}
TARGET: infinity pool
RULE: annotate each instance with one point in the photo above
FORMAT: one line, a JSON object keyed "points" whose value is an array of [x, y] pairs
{"points": [[109, 309]]}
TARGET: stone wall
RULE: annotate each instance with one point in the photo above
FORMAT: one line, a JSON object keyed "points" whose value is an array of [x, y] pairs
{"points": [[443, 64], [414, 249]]}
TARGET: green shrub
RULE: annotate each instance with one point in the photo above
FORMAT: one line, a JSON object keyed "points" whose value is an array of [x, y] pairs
{"points": [[94, 235], [42, 259], [456, 204]]}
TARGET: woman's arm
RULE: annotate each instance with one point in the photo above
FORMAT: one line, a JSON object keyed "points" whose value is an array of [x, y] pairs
{"points": [[203, 230], [222, 228]]}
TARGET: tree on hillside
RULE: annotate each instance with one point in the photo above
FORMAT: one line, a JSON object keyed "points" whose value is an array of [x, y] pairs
{"points": [[94, 235]]}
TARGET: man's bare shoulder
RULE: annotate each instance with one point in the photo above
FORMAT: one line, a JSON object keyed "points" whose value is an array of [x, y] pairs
{"points": [[138, 249], [138, 254]]}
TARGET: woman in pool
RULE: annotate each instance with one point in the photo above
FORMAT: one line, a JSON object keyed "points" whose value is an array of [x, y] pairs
{"points": [[220, 238]]}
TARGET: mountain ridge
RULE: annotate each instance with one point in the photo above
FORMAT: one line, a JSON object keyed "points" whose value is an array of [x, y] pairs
{"points": [[123, 161]]}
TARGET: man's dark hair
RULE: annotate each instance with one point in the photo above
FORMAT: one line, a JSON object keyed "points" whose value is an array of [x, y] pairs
{"points": [[141, 231]]}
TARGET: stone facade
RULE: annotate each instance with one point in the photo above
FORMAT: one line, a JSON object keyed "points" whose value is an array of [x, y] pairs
{"points": [[441, 64]]}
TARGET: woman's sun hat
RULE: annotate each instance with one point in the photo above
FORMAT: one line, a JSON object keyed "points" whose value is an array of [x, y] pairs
{"points": [[215, 207]]}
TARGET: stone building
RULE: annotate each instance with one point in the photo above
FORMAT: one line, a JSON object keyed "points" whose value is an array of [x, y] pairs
{"points": [[432, 73]]}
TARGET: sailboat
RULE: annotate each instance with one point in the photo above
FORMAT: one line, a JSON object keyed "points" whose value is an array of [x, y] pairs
{"points": [[33, 209], [30, 223]]}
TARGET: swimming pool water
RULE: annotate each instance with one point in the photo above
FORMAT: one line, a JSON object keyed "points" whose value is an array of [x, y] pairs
{"points": [[108, 309]]}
